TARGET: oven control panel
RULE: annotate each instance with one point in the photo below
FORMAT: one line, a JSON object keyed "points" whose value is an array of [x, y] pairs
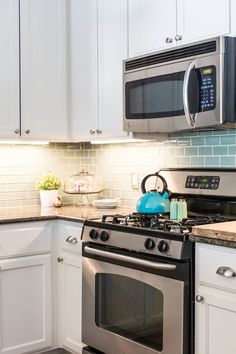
{"points": [[202, 182], [133, 241]]}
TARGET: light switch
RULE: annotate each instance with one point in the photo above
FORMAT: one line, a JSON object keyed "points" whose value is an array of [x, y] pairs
{"points": [[134, 181]]}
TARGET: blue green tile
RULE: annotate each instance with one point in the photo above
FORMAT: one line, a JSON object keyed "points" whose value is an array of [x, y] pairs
{"points": [[212, 161], [232, 150], [191, 150], [228, 139], [212, 140], [220, 150], [198, 140], [205, 150], [227, 161], [197, 161]]}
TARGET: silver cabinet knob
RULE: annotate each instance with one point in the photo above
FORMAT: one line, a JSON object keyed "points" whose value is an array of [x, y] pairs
{"points": [[226, 272], [178, 37], [27, 131], [199, 298], [169, 40], [98, 131], [92, 131], [17, 131], [72, 239], [59, 259]]}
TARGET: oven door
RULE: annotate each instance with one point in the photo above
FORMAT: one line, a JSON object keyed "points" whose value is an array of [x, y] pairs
{"points": [[129, 310], [172, 97]]}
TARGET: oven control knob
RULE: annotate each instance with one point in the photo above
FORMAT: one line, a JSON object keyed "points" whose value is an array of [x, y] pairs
{"points": [[149, 244], [93, 234], [104, 236], [163, 246]]}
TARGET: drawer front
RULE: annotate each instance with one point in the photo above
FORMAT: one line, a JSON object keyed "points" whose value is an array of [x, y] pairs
{"points": [[70, 238], [19, 239], [209, 260]]}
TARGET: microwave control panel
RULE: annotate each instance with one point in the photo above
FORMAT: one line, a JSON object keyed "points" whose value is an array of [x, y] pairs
{"points": [[207, 77], [202, 182]]}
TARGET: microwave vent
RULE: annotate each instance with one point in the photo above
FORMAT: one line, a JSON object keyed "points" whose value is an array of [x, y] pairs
{"points": [[187, 52]]}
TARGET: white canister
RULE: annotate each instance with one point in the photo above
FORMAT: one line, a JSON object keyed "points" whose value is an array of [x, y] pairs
{"points": [[48, 197]]}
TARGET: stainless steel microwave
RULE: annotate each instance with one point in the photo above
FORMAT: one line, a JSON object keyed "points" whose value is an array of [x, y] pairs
{"points": [[189, 87]]}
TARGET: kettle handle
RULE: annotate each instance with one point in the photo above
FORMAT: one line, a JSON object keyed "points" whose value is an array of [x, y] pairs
{"points": [[143, 189]]}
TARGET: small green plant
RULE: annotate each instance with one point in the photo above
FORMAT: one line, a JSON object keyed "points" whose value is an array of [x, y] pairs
{"points": [[49, 182]]}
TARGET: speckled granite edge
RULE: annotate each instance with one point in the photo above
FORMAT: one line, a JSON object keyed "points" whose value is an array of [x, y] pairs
{"points": [[212, 241], [68, 213]]}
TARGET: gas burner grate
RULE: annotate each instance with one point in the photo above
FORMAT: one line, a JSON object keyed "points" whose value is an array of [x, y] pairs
{"points": [[162, 222]]}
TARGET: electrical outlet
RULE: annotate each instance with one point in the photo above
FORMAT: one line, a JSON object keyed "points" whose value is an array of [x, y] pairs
{"points": [[134, 181]]}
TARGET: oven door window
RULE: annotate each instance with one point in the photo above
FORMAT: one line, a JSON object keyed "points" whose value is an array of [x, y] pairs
{"points": [[130, 308], [155, 97]]}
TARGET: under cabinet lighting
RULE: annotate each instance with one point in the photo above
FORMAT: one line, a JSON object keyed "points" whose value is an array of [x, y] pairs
{"points": [[118, 141], [26, 142]]}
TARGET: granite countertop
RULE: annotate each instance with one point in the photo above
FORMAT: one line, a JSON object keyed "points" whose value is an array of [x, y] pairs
{"points": [[72, 213], [221, 234]]}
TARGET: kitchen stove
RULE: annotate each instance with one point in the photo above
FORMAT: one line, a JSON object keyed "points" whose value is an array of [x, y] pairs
{"points": [[138, 269]]}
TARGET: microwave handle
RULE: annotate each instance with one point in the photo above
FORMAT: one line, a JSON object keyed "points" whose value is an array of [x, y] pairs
{"points": [[191, 118]]}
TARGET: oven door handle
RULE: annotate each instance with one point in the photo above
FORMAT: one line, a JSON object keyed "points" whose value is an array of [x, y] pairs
{"points": [[191, 118], [132, 260]]}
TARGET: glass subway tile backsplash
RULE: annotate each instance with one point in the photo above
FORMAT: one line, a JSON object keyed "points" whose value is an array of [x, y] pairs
{"points": [[21, 166]]}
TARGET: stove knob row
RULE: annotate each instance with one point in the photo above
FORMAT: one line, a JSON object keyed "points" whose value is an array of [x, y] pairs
{"points": [[162, 246], [94, 234]]}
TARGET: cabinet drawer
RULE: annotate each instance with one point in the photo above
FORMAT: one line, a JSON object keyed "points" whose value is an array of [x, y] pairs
{"points": [[70, 238], [19, 239], [208, 260]]}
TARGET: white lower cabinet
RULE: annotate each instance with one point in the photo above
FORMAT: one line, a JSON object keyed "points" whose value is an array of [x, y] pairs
{"points": [[215, 306], [69, 288], [25, 304], [70, 274]]}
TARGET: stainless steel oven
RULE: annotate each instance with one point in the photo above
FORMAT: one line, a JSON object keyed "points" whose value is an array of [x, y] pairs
{"points": [[189, 87], [134, 303]]}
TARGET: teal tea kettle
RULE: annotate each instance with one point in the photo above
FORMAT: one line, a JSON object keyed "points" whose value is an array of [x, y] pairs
{"points": [[152, 202]]}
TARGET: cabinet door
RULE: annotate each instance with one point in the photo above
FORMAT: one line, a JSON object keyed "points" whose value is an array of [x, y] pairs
{"points": [[43, 69], [83, 68], [151, 24], [9, 69], [201, 19], [70, 283], [112, 50], [215, 322], [25, 304]]}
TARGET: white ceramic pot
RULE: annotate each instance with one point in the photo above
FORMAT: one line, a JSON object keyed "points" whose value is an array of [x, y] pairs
{"points": [[47, 198]]}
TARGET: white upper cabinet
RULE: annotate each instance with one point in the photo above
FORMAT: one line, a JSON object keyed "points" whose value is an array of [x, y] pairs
{"points": [[202, 19], [112, 50], [43, 69], [152, 25], [9, 69], [33, 86], [83, 68], [98, 47]]}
